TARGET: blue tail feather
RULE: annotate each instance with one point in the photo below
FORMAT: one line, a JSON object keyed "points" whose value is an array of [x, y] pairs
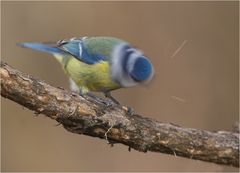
{"points": [[41, 47]]}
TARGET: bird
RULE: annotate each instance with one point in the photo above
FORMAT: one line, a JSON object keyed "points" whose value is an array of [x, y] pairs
{"points": [[98, 64]]}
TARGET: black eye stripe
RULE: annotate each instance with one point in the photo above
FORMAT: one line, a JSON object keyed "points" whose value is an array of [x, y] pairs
{"points": [[127, 51]]}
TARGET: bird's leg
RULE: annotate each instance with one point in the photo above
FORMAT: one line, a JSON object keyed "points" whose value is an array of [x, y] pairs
{"points": [[89, 95], [97, 99], [108, 95]]}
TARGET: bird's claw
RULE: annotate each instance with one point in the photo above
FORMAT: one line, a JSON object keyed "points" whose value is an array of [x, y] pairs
{"points": [[129, 110]]}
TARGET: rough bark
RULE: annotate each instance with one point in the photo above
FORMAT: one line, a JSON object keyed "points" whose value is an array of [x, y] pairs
{"points": [[88, 116]]}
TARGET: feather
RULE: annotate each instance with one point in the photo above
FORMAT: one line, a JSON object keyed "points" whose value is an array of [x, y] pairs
{"points": [[76, 48], [45, 47]]}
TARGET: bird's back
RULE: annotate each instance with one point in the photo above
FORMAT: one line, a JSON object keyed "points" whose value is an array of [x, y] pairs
{"points": [[104, 45]]}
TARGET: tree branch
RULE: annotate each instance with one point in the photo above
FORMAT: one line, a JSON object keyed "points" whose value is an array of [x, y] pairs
{"points": [[85, 115]]}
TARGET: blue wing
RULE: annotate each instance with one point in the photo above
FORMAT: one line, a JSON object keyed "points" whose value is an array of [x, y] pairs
{"points": [[45, 47], [74, 47]]}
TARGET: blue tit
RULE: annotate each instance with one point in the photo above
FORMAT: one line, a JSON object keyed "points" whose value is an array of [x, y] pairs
{"points": [[99, 64]]}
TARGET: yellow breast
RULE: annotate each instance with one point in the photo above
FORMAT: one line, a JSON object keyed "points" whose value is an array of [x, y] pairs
{"points": [[92, 77]]}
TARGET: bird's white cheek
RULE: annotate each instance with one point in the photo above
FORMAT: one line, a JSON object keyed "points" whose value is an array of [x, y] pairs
{"points": [[120, 77], [116, 69]]}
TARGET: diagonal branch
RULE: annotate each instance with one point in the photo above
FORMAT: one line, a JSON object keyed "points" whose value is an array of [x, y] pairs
{"points": [[93, 118]]}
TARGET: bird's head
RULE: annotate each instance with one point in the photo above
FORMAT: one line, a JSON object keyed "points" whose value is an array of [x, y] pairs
{"points": [[129, 66]]}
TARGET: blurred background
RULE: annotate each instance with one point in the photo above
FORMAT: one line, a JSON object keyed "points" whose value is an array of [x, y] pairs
{"points": [[194, 50]]}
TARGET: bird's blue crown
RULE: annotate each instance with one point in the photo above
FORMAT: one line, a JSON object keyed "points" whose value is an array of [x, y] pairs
{"points": [[142, 69], [130, 66]]}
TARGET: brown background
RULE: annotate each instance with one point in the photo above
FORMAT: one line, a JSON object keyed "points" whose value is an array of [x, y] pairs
{"points": [[197, 87]]}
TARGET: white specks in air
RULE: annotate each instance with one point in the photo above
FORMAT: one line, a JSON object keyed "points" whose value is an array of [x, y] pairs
{"points": [[179, 48], [179, 99]]}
